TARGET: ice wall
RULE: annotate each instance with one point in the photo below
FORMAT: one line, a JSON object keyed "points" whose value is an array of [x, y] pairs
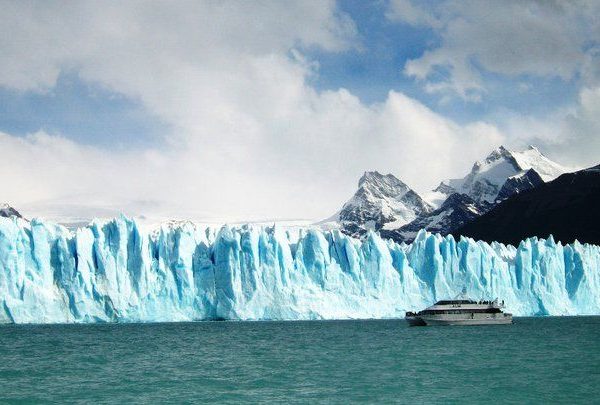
{"points": [[114, 271]]}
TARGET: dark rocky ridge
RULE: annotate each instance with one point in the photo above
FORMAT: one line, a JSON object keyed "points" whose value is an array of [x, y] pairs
{"points": [[456, 211], [519, 183]]}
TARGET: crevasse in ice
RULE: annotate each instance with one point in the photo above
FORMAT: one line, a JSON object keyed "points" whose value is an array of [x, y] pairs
{"points": [[114, 271]]}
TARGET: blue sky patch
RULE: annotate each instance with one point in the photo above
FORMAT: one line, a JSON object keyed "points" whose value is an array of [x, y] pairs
{"points": [[87, 113]]}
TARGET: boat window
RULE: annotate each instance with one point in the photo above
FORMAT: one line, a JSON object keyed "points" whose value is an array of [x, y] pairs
{"points": [[460, 311]]}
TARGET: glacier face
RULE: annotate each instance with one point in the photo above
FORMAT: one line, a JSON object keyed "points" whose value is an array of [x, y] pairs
{"points": [[115, 271]]}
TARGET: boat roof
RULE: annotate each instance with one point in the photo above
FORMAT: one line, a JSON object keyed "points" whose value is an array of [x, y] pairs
{"points": [[449, 302]]}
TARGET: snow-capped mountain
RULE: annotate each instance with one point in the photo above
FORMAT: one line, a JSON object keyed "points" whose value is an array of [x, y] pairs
{"points": [[386, 204], [8, 211], [503, 174], [566, 208], [381, 202], [487, 177]]}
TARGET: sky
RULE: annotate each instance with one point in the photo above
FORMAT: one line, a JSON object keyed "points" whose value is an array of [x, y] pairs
{"points": [[236, 110]]}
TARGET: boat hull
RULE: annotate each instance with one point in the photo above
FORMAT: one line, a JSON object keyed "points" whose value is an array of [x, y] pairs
{"points": [[415, 321], [465, 322], [505, 319]]}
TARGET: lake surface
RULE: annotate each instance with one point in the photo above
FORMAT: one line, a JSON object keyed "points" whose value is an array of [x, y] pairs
{"points": [[535, 360]]}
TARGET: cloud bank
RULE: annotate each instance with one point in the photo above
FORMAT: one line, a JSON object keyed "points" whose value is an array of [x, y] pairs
{"points": [[249, 136]]}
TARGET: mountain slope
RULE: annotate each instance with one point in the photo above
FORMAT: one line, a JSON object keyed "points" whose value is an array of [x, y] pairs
{"points": [[381, 201], [456, 211], [567, 208]]}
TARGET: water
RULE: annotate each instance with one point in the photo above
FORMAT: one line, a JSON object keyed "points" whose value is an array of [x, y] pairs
{"points": [[534, 360]]}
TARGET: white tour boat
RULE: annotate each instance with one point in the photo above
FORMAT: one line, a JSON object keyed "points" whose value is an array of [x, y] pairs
{"points": [[461, 312]]}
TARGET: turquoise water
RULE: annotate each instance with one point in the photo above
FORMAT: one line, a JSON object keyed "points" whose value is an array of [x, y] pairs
{"points": [[535, 360]]}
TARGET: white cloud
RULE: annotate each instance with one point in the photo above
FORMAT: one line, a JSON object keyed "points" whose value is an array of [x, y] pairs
{"points": [[113, 38], [570, 135], [250, 137], [407, 12], [517, 40], [539, 38]]}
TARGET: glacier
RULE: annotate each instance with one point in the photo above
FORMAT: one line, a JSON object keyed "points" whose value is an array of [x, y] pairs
{"points": [[115, 271]]}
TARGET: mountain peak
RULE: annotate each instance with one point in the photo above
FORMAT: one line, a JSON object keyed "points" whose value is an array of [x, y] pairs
{"points": [[532, 158], [506, 153], [502, 150], [382, 200], [379, 185], [487, 176], [376, 178], [369, 176], [7, 211], [500, 153]]}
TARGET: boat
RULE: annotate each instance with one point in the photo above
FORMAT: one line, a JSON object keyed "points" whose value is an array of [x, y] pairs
{"points": [[461, 312]]}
